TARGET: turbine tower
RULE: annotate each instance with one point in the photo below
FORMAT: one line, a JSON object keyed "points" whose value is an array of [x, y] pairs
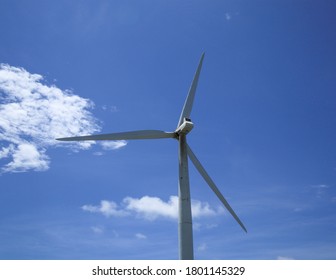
{"points": [[184, 126]]}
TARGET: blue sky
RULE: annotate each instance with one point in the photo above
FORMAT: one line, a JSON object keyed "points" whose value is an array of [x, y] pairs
{"points": [[264, 115]]}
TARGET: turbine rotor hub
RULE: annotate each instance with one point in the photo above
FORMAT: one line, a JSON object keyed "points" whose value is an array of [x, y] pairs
{"points": [[185, 127]]}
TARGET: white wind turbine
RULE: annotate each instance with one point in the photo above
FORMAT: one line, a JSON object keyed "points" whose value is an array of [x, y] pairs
{"points": [[185, 235]]}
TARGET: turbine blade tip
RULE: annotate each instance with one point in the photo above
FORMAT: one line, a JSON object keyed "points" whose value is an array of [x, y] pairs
{"points": [[63, 139]]}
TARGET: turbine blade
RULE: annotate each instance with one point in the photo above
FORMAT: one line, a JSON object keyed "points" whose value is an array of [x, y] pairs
{"points": [[212, 185], [186, 111], [140, 134]]}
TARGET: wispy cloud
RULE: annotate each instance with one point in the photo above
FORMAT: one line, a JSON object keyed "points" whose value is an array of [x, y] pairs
{"points": [[113, 145], [112, 109], [98, 229], [107, 208], [284, 258], [320, 190], [140, 236], [202, 247], [33, 114], [230, 15], [150, 208]]}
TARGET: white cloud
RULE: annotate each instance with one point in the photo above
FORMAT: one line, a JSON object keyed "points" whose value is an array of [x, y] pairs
{"points": [[284, 258], [150, 208], [203, 209], [320, 187], [113, 145], [231, 15], [6, 151], [112, 109], [25, 157], [33, 114], [140, 236], [107, 208], [153, 207]]}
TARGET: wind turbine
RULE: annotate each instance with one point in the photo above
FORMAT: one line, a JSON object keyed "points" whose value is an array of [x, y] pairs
{"points": [[184, 126]]}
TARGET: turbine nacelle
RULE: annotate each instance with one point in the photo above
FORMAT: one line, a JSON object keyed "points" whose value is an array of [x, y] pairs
{"points": [[185, 127]]}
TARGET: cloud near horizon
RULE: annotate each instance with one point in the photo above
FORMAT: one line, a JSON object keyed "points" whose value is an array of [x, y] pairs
{"points": [[150, 208], [33, 114]]}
